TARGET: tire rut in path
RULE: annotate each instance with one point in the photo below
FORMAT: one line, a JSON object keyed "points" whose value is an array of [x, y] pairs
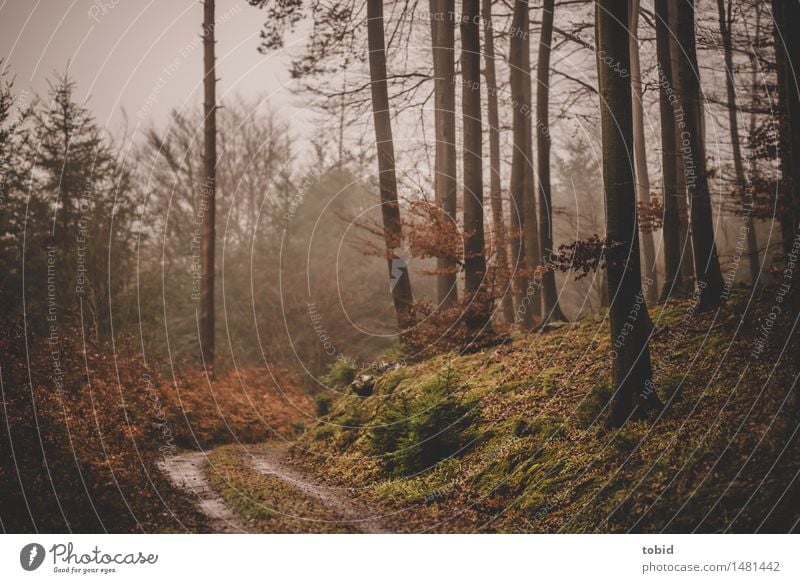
{"points": [[186, 472], [272, 461]]}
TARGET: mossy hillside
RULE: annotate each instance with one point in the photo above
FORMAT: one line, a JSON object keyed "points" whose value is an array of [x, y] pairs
{"points": [[535, 455]]}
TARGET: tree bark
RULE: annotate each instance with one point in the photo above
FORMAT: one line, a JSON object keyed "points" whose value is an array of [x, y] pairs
{"points": [[526, 299], [640, 152], [399, 281], [741, 179], [474, 259], [675, 282], [445, 182], [530, 222], [495, 184], [552, 309], [208, 192], [633, 394], [706, 261], [686, 256], [787, 58]]}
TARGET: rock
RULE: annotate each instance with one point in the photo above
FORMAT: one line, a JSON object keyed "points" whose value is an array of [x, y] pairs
{"points": [[363, 385], [384, 366]]}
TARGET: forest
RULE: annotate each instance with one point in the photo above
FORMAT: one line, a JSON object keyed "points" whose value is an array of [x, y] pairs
{"points": [[507, 266]]}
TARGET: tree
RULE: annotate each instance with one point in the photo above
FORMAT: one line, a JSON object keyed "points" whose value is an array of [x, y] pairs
{"points": [[208, 191], [446, 179], [495, 185], [400, 283], [725, 22], [552, 309], [640, 150], [523, 252], [474, 258], [72, 161], [709, 275], [633, 385], [685, 235], [674, 281], [787, 59]]}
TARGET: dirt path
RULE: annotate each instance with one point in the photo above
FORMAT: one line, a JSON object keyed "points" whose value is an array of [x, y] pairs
{"points": [[187, 473], [273, 461]]}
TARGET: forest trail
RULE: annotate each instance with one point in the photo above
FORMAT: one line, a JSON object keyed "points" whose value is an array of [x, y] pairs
{"points": [[187, 472]]}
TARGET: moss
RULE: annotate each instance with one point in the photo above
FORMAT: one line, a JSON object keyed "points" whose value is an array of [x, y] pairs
{"points": [[389, 382], [543, 426], [414, 435], [429, 488], [669, 386], [513, 386], [591, 409], [341, 373], [548, 379], [538, 450]]}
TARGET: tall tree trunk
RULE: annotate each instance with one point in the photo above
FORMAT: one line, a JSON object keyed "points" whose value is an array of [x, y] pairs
{"points": [[399, 281], [709, 276], [495, 186], [786, 13], [640, 151], [674, 281], [474, 259], [519, 76], [445, 184], [633, 393], [530, 222], [686, 254], [208, 194], [552, 309], [738, 165]]}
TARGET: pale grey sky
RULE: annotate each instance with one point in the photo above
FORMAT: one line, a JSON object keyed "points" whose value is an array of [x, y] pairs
{"points": [[141, 56]]}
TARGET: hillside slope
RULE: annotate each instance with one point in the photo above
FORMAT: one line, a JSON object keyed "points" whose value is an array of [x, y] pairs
{"points": [[511, 438]]}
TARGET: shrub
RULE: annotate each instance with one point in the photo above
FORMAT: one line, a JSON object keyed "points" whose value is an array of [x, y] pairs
{"points": [[322, 405], [341, 373], [414, 435]]}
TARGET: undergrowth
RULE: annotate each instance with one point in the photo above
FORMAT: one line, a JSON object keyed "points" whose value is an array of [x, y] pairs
{"points": [[514, 441]]}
